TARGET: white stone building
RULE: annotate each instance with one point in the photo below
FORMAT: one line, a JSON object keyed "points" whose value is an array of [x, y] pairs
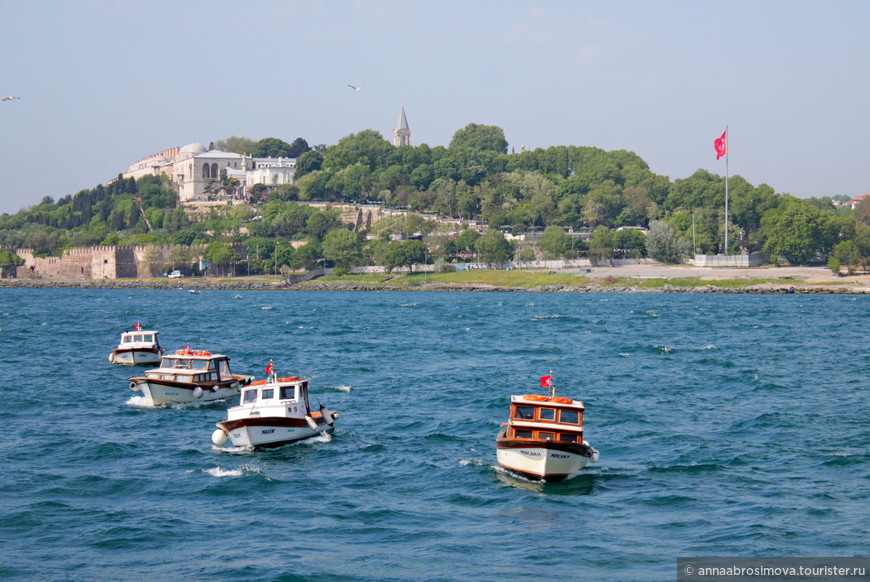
{"points": [[197, 174]]}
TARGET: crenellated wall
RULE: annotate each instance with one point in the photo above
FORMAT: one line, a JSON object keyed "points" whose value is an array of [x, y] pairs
{"points": [[98, 262]]}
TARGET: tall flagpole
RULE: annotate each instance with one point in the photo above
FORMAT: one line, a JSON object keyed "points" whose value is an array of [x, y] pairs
{"points": [[727, 138]]}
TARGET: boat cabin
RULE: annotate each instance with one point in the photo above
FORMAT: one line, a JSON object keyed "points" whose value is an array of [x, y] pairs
{"points": [[139, 339], [282, 397], [547, 419], [193, 367]]}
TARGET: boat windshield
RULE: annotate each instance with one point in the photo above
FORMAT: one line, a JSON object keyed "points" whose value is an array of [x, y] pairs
{"points": [[288, 392], [224, 369], [250, 396], [199, 364], [267, 394]]}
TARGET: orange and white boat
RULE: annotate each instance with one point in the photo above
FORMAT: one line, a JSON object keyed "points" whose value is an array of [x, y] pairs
{"points": [[273, 412], [190, 376], [543, 438], [137, 348]]}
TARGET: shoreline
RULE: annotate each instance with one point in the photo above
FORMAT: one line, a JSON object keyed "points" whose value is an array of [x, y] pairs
{"points": [[798, 287]]}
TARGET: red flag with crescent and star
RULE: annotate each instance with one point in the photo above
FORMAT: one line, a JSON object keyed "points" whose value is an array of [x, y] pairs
{"points": [[269, 367], [721, 145], [546, 381]]}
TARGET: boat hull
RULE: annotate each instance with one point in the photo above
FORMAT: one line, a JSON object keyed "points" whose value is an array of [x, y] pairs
{"points": [[270, 432], [541, 460], [163, 392], [135, 357]]}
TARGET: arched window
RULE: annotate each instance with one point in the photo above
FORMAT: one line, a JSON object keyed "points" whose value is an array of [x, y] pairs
{"points": [[205, 172], [214, 171]]}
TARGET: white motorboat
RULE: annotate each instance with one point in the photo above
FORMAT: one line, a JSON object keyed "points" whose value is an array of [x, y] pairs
{"points": [[273, 412], [138, 347], [190, 376], [543, 438]]}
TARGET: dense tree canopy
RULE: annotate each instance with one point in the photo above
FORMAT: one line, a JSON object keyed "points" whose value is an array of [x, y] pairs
{"points": [[549, 190]]}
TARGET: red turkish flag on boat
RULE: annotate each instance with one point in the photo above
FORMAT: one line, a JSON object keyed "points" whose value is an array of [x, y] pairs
{"points": [[546, 381], [721, 145], [269, 367], [137, 327]]}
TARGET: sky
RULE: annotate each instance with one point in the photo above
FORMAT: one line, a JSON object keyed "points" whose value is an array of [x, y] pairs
{"points": [[104, 83]]}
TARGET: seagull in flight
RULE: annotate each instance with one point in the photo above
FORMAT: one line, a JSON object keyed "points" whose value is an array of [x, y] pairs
{"points": [[10, 97], [354, 87]]}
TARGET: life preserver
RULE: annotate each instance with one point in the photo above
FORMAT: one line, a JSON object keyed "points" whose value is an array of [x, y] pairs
{"points": [[257, 383], [561, 400], [183, 352], [288, 379], [535, 397]]}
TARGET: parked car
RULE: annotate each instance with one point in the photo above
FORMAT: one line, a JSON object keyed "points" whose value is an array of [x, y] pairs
{"points": [[175, 275]]}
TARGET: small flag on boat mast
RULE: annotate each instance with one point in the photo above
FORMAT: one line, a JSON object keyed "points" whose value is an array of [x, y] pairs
{"points": [[547, 381], [137, 327], [269, 367]]}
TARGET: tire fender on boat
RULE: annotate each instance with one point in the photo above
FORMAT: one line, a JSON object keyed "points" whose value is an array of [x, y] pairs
{"points": [[112, 358], [134, 386], [219, 437], [324, 412], [197, 392]]}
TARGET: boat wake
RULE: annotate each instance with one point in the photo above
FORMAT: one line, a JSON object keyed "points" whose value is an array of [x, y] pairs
{"points": [[240, 472]]}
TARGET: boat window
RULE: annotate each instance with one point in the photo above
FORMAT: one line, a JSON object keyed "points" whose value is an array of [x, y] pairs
{"points": [[547, 414], [288, 392], [250, 396], [569, 417], [199, 364], [524, 412], [267, 394], [567, 438], [167, 363], [522, 434], [149, 338], [137, 338], [546, 436], [126, 339], [182, 363]]}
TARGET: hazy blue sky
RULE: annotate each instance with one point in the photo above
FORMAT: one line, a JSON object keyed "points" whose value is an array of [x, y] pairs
{"points": [[104, 83]]}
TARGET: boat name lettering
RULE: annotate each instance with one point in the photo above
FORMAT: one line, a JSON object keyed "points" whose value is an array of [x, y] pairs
{"points": [[530, 453], [268, 431], [171, 393], [558, 456]]}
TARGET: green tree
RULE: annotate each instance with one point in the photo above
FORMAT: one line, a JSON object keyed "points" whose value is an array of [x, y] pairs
{"points": [[797, 231], [342, 247], [238, 145], [222, 257], [663, 244], [554, 242], [405, 254], [272, 147], [494, 247], [9, 261], [847, 253], [480, 137]]}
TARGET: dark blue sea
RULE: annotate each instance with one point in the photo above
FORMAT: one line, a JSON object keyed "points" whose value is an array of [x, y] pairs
{"points": [[728, 425]]}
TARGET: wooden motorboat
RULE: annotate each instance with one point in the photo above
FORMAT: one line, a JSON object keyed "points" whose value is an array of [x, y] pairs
{"points": [[190, 376], [543, 437]]}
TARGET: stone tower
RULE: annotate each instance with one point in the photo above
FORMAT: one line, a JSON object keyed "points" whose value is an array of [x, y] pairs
{"points": [[402, 133]]}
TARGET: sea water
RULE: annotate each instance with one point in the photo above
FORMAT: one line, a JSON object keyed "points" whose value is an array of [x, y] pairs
{"points": [[728, 425]]}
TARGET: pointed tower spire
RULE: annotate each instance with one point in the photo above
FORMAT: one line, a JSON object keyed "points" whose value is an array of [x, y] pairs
{"points": [[402, 133]]}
